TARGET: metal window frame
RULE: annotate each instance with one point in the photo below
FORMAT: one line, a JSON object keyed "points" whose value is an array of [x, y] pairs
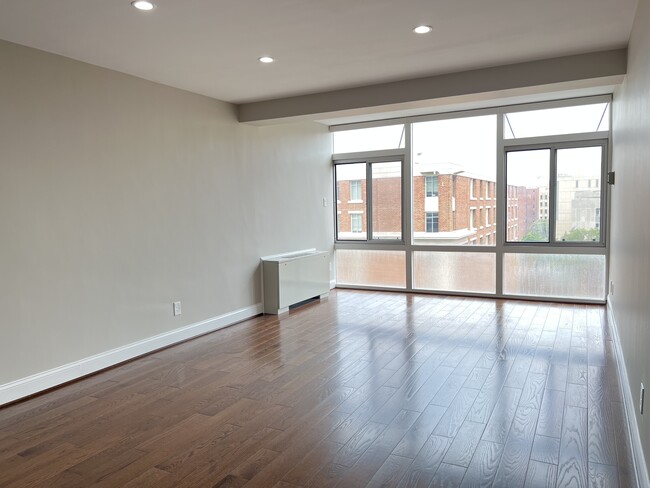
{"points": [[359, 189], [435, 217], [372, 158], [500, 247], [553, 148], [360, 222]]}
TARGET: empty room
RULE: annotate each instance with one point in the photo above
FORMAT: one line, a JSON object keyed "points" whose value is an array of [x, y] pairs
{"points": [[324, 244]]}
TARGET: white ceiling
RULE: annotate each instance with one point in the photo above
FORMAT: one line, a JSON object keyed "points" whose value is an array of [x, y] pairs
{"points": [[211, 46]]}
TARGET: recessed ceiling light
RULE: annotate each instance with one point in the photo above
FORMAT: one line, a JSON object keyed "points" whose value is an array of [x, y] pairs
{"points": [[423, 29], [266, 59], [143, 5]]}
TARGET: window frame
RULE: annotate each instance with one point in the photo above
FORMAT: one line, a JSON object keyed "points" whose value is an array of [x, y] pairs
{"points": [[498, 198], [358, 218], [434, 186], [368, 202], [435, 222], [551, 213], [357, 191]]}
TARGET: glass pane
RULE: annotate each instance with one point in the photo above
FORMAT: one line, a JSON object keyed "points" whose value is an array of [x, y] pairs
{"points": [[527, 184], [554, 121], [454, 174], [554, 275], [351, 201], [455, 271], [371, 268], [387, 200], [371, 139], [578, 194]]}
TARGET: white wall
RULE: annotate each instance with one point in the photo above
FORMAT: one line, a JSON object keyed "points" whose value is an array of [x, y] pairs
{"points": [[118, 196], [630, 232]]}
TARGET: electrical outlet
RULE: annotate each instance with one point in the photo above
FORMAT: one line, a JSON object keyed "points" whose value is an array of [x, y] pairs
{"points": [[641, 398], [611, 287], [324, 202], [177, 308]]}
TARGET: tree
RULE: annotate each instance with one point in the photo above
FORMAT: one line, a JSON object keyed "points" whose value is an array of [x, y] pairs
{"points": [[581, 234], [537, 232]]}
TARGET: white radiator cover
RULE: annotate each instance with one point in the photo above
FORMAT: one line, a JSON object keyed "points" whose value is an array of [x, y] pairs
{"points": [[290, 278]]}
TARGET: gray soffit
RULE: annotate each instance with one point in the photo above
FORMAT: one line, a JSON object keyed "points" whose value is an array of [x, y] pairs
{"points": [[582, 74]]}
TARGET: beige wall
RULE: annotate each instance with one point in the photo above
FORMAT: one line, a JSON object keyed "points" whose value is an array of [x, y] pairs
{"points": [[630, 234], [118, 196]]}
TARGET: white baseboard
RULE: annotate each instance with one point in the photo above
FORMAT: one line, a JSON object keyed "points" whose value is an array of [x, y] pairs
{"points": [[30, 385], [332, 284], [630, 404]]}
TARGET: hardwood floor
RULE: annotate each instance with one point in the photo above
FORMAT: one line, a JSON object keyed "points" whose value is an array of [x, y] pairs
{"points": [[363, 389]]}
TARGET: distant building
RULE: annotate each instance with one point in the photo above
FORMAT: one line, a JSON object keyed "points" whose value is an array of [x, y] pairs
{"points": [[578, 204], [543, 203], [448, 208]]}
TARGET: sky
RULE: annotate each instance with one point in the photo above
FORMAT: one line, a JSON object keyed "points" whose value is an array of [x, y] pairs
{"points": [[469, 145]]}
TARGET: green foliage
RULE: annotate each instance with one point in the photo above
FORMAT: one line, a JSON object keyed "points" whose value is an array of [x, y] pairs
{"points": [[581, 234], [533, 236], [538, 232]]}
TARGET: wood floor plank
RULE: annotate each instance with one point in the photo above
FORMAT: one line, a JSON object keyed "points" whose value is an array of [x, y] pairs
{"points": [[378, 452], [449, 390], [603, 476], [357, 445], [541, 475], [465, 443], [551, 414], [253, 465], [483, 466], [533, 391], [546, 449], [625, 461], [455, 415], [426, 463], [601, 432], [576, 395], [487, 398], [577, 372], [311, 464], [572, 470], [448, 476], [416, 437], [504, 412], [152, 478], [390, 472], [516, 453], [557, 377]]}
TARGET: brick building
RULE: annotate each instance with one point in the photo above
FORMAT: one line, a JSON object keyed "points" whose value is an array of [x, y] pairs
{"points": [[448, 208]]}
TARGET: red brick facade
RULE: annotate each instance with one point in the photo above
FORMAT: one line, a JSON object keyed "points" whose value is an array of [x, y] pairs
{"points": [[465, 207]]}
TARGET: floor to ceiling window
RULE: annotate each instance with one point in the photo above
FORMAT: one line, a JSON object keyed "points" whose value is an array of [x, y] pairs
{"points": [[499, 202]]}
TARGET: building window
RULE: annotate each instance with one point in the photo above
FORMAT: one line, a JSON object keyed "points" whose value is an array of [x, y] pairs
{"points": [[356, 222], [431, 186], [355, 190], [472, 219], [432, 222], [471, 188]]}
